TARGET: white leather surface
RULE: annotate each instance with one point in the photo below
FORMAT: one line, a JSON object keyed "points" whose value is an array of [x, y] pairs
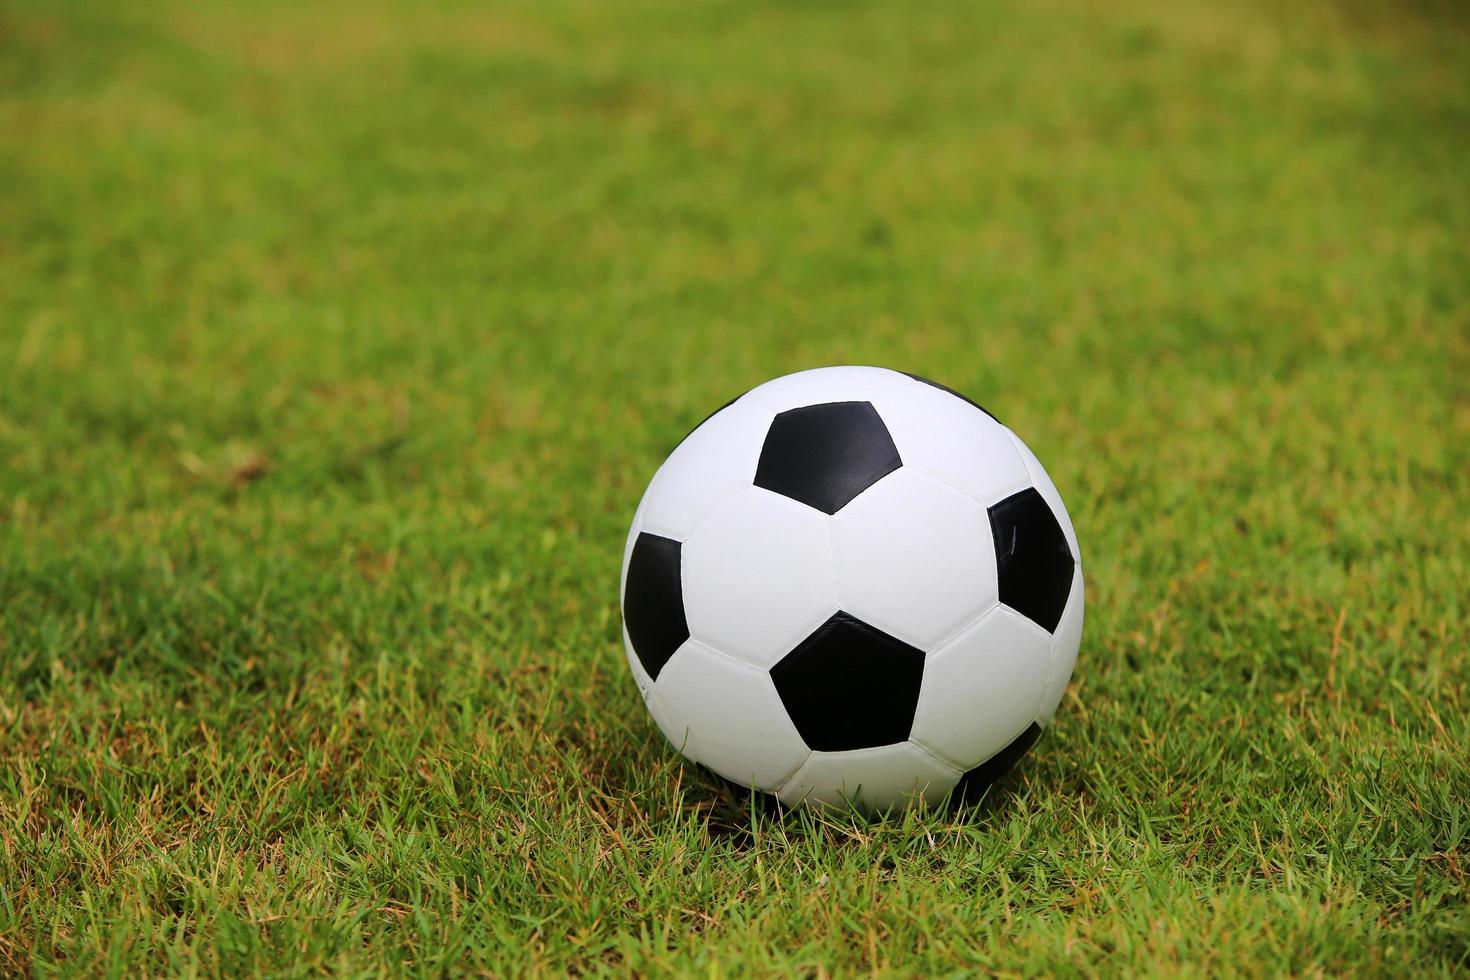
{"points": [[735, 722], [1048, 492], [718, 459], [1065, 642], [872, 779], [649, 693], [758, 576], [954, 442], [981, 688], [914, 558]]}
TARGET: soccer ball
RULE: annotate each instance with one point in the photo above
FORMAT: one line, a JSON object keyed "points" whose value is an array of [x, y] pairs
{"points": [[852, 586]]}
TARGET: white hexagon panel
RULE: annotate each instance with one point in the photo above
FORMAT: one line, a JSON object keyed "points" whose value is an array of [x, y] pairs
{"points": [[729, 717], [758, 576], [983, 687], [950, 438], [914, 558], [701, 473]]}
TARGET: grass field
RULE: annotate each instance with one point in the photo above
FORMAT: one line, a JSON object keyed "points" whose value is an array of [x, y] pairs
{"points": [[338, 342]]}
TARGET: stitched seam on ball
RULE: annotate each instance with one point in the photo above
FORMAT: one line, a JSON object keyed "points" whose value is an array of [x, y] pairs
{"points": [[1016, 445], [726, 497], [919, 468], [794, 773], [1052, 666], [834, 562], [954, 634], [1051, 650], [983, 611], [1064, 520], [720, 503], [781, 783], [938, 757], [705, 645]]}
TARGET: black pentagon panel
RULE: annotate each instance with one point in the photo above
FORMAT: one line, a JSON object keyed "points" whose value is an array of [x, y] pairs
{"points": [[1032, 559], [825, 455], [960, 395], [973, 784], [653, 602], [850, 686]]}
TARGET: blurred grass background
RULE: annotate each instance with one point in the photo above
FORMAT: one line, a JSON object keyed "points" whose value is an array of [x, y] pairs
{"points": [[337, 342]]}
